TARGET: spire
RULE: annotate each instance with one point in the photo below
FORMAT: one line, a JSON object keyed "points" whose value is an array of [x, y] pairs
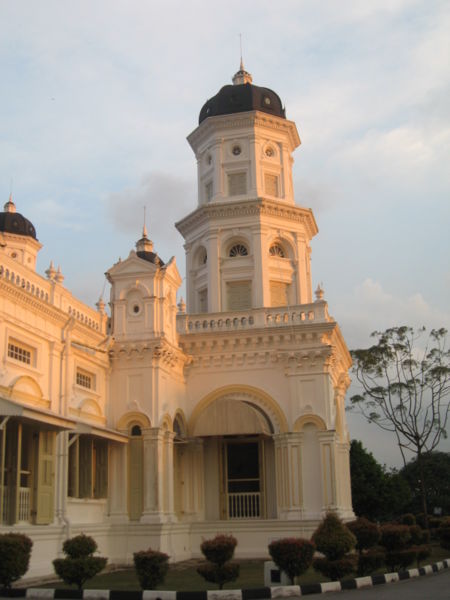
{"points": [[144, 244], [242, 76], [10, 206]]}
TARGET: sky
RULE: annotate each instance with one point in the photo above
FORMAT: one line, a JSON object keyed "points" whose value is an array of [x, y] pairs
{"points": [[98, 97]]}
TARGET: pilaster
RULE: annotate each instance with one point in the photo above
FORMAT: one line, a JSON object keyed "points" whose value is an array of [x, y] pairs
{"points": [[288, 468]]}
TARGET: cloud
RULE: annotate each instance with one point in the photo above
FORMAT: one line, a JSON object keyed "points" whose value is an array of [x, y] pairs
{"points": [[167, 199], [370, 308]]}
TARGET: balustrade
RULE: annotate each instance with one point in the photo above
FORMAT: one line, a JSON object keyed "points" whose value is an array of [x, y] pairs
{"points": [[244, 505]]}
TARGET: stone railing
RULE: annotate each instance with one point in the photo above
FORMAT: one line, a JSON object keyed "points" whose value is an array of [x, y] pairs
{"points": [[255, 318], [53, 294]]}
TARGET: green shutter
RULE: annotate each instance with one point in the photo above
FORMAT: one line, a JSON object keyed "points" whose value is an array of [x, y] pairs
{"points": [[45, 491], [101, 468], [85, 466]]}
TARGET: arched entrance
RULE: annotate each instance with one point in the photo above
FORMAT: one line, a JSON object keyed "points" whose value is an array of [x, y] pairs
{"points": [[236, 425]]}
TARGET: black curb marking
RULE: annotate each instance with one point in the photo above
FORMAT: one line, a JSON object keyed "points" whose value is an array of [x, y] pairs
{"points": [[250, 594]]}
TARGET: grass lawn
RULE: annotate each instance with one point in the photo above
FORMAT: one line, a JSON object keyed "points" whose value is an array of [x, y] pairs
{"points": [[184, 577]]}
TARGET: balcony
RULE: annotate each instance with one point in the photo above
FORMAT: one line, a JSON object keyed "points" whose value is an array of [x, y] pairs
{"points": [[244, 505], [281, 316]]}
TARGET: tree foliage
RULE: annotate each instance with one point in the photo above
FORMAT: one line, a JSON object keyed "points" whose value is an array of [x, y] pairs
{"points": [[405, 379], [376, 494], [436, 467]]}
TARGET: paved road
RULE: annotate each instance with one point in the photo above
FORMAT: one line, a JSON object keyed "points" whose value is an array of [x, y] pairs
{"points": [[428, 587]]}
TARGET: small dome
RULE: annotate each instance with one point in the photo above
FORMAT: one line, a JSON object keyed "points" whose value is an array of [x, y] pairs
{"points": [[144, 249], [13, 222], [243, 96]]}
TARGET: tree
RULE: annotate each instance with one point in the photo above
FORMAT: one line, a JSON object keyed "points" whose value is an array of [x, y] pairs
{"points": [[376, 494], [436, 467], [405, 389]]}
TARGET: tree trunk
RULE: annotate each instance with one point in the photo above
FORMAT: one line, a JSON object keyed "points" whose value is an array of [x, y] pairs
{"points": [[423, 492]]}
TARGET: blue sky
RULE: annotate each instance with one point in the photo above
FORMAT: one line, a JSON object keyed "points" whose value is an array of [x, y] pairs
{"points": [[98, 98]]}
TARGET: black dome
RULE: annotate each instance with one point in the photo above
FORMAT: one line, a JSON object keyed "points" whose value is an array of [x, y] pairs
{"points": [[242, 98], [14, 222], [150, 257]]}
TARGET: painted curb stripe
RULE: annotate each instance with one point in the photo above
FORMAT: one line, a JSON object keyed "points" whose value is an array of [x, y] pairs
{"points": [[252, 594]]}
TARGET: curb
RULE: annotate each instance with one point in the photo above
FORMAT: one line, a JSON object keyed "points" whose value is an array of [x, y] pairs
{"points": [[285, 591]]}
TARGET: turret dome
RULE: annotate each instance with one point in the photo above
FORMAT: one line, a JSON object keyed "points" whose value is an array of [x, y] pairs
{"points": [[242, 96], [13, 222]]}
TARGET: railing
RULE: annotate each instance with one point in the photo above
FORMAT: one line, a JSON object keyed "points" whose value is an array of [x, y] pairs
{"points": [[56, 295], [24, 505], [251, 319], [244, 505]]}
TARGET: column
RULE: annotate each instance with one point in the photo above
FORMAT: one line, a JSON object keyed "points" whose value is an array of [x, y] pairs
{"points": [[288, 470], [153, 475], [118, 481], [327, 441], [213, 267], [261, 287], [169, 436]]}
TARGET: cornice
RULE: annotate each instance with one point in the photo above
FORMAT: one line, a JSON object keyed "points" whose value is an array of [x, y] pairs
{"points": [[159, 351], [49, 311], [253, 118], [248, 208]]}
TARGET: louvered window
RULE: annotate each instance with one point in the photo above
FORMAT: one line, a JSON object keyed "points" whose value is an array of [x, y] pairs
{"points": [[239, 295], [271, 184], [237, 184], [203, 301], [278, 293]]}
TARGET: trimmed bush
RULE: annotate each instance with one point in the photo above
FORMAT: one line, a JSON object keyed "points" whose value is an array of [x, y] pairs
{"points": [[79, 565], [151, 568], [15, 552], [333, 538], [444, 533], [396, 560], [219, 574], [335, 569], [292, 555], [369, 561], [408, 519], [220, 549], [395, 537], [367, 534], [218, 552]]}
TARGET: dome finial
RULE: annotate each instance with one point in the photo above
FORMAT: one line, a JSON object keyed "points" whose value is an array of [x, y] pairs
{"points": [[242, 76], [144, 228], [10, 206]]}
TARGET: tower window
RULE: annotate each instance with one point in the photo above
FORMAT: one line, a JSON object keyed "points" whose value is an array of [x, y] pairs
{"points": [[237, 184], [238, 250], [277, 250], [271, 184]]}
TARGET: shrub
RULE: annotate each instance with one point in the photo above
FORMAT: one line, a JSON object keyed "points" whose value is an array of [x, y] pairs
{"points": [[422, 552], [220, 549], [367, 534], [397, 560], [151, 568], [335, 569], [15, 552], [420, 520], [418, 535], [369, 561], [219, 574], [395, 537], [218, 552], [333, 538], [407, 519], [79, 565], [80, 546], [444, 533], [292, 555]]}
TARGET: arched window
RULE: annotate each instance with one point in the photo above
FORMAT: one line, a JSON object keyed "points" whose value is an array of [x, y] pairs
{"points": [[136, 430], [277, 250], [238, 250]]}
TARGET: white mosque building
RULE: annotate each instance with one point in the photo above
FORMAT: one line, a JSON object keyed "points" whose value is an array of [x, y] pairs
{"points": [[161, 424]]}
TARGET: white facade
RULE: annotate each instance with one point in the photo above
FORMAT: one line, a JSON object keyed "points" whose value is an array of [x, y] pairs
{"points": [[166, 423]]}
